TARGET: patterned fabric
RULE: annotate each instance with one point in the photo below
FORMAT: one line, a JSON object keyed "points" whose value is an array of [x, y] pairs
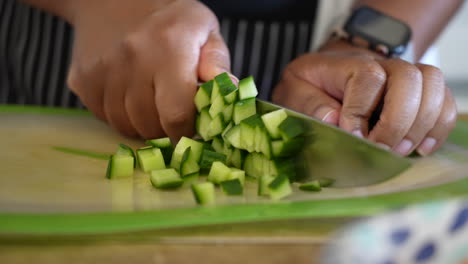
{"points": [[35, 48], [433, 233]]}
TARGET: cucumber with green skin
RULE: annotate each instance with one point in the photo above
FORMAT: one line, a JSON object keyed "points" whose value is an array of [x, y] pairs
{"points": [[165, 145], [182, 145], [203, 95], [120, 166], [208, 157], [150, 158], [166, 179], [204, 193], [188, 165], [232, 187]]}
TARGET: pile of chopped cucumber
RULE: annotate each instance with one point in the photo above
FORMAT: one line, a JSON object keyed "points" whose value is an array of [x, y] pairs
{"points": [[233, 142]]}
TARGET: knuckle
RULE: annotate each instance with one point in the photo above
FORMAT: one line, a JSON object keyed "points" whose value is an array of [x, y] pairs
{"points": [[178, 118], [373, 71], [130, 47], [393, 129], [406, 70], [432, 74]]}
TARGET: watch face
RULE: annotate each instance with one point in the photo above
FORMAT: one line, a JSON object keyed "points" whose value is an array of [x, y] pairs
{"points": [[378, 28]]}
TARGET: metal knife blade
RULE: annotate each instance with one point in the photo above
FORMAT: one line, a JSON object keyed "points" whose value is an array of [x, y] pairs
{"points": [[333, 153]]}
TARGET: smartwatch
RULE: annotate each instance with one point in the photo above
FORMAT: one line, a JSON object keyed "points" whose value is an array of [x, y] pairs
{"points": [[369, 28]]}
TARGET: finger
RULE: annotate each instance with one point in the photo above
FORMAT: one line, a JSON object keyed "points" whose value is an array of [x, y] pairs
{"points": [[362, 94], [400, 105], [445, 123], [429, 111], [142, 111], [214, 58], [302, 96], [88, 84]]}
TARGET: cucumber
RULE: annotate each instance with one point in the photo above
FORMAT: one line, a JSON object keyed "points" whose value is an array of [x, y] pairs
{"points": [[262, 141], [227, 113], [247, 132], [182, 145], [290, 128], [325, 182], [226, 129], [263, 182], [237, 158], [218, 145], [165, 145], [150, 158], [232, 187], [120, 166], [126, 151], [217, 107], [279, 187], [281, 148], [225, 84], [166, 179], [232, 136], [216, 126], [313, 186], [237, 174], [188, 166], [284, 166], [214, 92], [208, 157], [247, 88], [203, 95], [202, 124], [244, 109], [272, 121], [218, 172], [204, 193], [227, 150]]}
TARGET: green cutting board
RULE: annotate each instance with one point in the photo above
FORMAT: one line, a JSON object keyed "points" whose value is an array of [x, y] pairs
{"points": [[45, 191]]}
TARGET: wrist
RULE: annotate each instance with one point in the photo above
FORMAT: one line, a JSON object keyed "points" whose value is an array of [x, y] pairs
{"points": [[340, 45]]}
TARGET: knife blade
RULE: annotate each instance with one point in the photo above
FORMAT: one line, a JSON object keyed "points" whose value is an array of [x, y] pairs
{"points": [[330, 152]]}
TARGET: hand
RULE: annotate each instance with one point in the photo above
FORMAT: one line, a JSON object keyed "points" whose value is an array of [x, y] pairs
{"points": [[136, 64], [344, 88]]}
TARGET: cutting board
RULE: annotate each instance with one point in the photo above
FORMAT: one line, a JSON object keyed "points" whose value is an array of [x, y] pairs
{"points": [[45, 191]]}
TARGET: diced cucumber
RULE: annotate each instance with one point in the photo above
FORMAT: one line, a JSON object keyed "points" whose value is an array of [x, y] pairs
{"points": [[285, 167], [150, 158], [313, 186], [120, 166], [203, 123], [231, 97], [249, 166], [226, 129], [128, 151], [166, 179], [256, 164], [326, 182], [244, 109], [216, 126], [227, 150], [290, 128], [203, 95], [237, 174], [233, 136], [281, 148], [237, 158], [263, 182], [165, 145], [217, 107], [232, 187], [227, 113], [182, 145], [247, 88], [279, 187], [225, 84], [188, 166], [218, 145], [214, 92], [247, 132], [218, 172], [262, 141], [272, 121], [208, 157], [204, 193]]}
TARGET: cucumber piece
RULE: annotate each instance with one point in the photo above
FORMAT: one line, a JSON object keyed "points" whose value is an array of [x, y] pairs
{"points": [[218, 172], [227, 113], [203, 96], [188, 166], [208, 157], [247, 88], [249, 166], [150, 158], [217, 107], [203, 123], [226, 129], [325, 182], [237, 174], [272, 121], [248, 132], [279, 187], [165, 145], [214, 92], [166, 179], [232, 136], [120, 166], [263, 182], [216, 126], [232, 187], [237, 158], [204, 193], [290, 128], [285, 167], [281, 148], [313, 186], [262, 141], [218, 145], [126, 151], [225, 84], [227, 150], [231, 98], [182, 145], [244, 109]]}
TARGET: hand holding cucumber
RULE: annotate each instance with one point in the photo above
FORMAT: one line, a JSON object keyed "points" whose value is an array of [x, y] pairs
{"points": [[136, 65], [345, 88]]}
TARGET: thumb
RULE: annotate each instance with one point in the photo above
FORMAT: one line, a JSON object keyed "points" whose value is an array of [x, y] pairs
{"points": [[214, 57]]}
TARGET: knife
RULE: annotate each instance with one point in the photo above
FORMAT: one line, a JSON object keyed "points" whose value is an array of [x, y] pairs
{"points": [[330, 152]]}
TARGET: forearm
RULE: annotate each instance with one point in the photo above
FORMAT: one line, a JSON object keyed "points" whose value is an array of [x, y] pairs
{"points": [[426, 18]]}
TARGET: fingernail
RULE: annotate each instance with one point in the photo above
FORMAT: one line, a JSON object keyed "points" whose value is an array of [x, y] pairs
{"points": [[358, 133], [383, 146], [426, 146], [330, 117], [234, 79], [404, 147]]}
